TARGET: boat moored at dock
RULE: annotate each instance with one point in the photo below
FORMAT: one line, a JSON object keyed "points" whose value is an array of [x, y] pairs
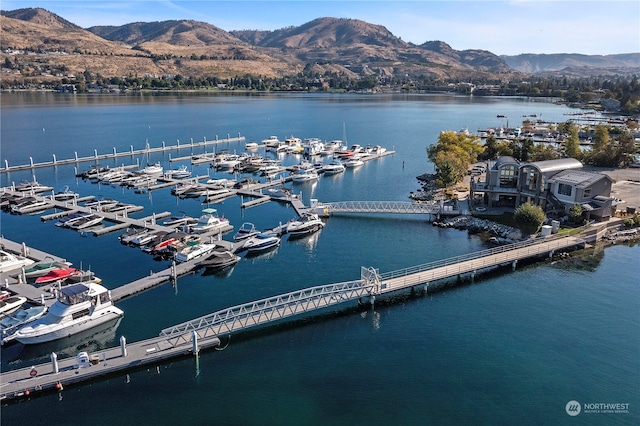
{"points": [[78, 308]]}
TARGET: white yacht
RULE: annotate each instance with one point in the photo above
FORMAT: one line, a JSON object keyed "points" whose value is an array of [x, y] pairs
{"points": [[209, 221], [354, 162], [79, 307], [261, 242]]}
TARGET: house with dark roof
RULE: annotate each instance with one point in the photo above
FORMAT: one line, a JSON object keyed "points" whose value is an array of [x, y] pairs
{"points": [[554, 185]]}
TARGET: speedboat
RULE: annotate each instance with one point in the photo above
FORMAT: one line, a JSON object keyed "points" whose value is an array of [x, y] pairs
{"points": [[333, 168], [79, 307], [71, 217], [11, 304], [271, 142], [261, 242], [353, 162], [305, 224], [247, 230], [179, 220], [305, 175], [9, 261], [54, 275], [29, 205], [11, 323], [86, 222], [209, 221], [131, 234], [65, 195], [194, 251], [251, 145], [219, 259]]}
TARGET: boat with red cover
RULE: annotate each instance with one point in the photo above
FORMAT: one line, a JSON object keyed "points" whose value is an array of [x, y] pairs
{"points": [[56, 275]]}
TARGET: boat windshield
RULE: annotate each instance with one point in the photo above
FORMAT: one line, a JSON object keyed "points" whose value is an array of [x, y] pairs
{"points": [[73, 294]]}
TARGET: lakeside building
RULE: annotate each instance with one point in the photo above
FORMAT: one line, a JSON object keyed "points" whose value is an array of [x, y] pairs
{"points": [[554, 185]]}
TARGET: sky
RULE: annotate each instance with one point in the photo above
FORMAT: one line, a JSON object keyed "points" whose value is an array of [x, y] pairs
{"points": [[590, 27]]}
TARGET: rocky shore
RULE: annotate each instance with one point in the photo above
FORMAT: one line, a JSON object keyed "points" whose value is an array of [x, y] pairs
{"points": [[502, 234]]}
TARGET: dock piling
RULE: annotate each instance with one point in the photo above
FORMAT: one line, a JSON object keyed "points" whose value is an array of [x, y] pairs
{"points": [[123, 346], [54, 363], [194, 338]]}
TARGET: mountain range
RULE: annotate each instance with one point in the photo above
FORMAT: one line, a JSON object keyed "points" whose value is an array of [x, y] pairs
{"points": [[344, 47]]}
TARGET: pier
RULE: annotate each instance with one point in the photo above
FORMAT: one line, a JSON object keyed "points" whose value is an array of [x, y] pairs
{"points": [[207, 331], [114, 154]]}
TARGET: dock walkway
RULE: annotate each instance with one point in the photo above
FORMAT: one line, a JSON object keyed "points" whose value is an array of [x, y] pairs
{"points": [[206, 331]]}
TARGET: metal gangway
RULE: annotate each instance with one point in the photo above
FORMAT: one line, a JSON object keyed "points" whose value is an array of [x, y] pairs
{"points": [[371, 284], [397, 207], [274, 308]]}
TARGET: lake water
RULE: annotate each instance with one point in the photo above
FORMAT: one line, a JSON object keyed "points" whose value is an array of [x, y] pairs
{"points": [[511, 348]]}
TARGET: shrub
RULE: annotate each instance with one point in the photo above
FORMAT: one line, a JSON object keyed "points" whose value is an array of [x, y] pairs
{"points": [[529, 218]]}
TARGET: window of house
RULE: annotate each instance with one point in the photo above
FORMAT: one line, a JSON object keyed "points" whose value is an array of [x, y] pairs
{"points": [[508, 176], [587, 192], [564, 189]]}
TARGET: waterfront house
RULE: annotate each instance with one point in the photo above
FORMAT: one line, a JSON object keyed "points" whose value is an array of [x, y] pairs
{"points": [[554, 185]]}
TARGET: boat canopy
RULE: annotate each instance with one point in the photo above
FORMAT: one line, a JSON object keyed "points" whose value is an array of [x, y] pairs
{"points": [[73, 294]]}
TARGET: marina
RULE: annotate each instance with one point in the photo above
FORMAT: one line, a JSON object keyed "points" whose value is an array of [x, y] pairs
{"points": [[512, 332]]}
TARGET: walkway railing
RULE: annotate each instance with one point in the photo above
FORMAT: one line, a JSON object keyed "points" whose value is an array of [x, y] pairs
{"points": [[271, 309], [382, 207]]}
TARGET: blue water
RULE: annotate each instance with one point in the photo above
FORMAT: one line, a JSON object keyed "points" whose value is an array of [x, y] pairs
{"points": [[511, 348]]}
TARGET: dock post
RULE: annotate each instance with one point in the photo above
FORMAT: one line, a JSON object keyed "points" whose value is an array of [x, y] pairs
{"points": [[131, 146], [75, 154], [54, 363], [6, 165], [123, 346], [192, 142], [194, 338], [178, 140], [513, 265], [54, 159], [473, 275], [114, 152], [31, 161]]}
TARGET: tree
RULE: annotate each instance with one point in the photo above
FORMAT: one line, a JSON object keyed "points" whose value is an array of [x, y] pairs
{"points": [[571, 144], [529, 217], [575, 213]]}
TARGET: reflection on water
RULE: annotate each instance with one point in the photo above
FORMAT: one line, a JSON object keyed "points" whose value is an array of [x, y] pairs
{"points": [[262, 255], [91, 341], [307, 241], [219, 273]]}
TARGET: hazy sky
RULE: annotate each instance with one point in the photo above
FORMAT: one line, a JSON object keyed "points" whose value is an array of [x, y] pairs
{"points": [[501, 27]]}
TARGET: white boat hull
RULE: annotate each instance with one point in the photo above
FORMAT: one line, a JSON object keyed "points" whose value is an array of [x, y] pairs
{"points": [[43, 333]]}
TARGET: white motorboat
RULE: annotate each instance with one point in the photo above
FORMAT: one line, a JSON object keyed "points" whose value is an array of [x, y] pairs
{"points": [[247, 230], [251, 145], [181, 172], [32, 187], [86, 222], [194, 251], [281, 193], [305, 175], [11, 304], [79, 307], [131, 234], [29, 205], [228, 162], [180, 220], [9, 261], [333, 168], [354, 162], [11, 323], [261, 242], [153, 169], [65, 195], [209, 221], [305, 224]]}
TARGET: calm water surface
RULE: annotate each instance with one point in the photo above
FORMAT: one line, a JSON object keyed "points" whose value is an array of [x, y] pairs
{"points": [[512, 348]]}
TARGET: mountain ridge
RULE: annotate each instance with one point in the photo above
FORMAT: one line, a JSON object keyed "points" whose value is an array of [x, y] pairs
{"points": [[342, 46]]}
